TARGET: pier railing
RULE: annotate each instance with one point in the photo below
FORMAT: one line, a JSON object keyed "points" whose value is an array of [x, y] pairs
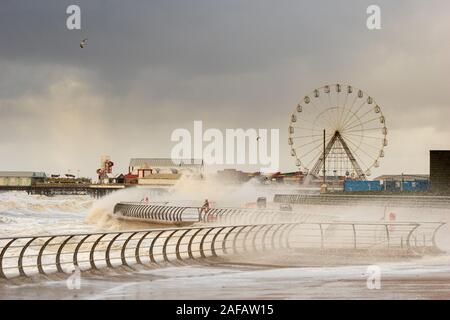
{"points": [[30, 255]]}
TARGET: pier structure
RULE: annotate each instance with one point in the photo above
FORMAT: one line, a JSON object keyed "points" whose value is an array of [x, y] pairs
{"points": [[50, 189]]}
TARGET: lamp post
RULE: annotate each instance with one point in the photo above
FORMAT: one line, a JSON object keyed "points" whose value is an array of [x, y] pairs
{"points": [[323, 188]]}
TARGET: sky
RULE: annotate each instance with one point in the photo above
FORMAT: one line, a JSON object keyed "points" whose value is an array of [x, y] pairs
{"points": [[151, 67]]}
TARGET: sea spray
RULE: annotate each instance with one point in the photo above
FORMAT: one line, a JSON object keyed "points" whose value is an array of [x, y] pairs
{"points": [[188, 191], [22, 203], [23, 214], [101, 212]]}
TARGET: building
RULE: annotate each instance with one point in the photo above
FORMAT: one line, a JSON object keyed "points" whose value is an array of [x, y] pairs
{"points": [[163, 171], [21, 178], [105, 175], [233, 176], [404, 182], [402, 177], [295, 177], [130, 178], [109, 178], [440, 171]]}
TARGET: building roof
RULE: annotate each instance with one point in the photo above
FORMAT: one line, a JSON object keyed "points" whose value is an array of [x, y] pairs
{"points": [[22, 174], [400, 177], [164, 162]]}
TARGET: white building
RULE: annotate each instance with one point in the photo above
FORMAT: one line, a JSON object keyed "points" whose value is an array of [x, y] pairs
{"points": [[163, 171], [20, 178]]}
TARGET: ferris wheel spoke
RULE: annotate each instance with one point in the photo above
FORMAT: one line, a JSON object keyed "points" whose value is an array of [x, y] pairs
{"points": [[312, 123], [310, 136], [327, 121], [359, 119], [363, 130], [365, 152], [305, 128], [316, 156], [352, 118], [365, 114], [337, 99], [366, 144], [336, 110], [307, 144], [324, 108], [361, 123], [343, 110], [311, 150], [355, 154], [321, 101], [303, 132], [350, 109], [370, 145], [328, 124], [336, 118], [361, 135], [355, 113], [347, 139]]}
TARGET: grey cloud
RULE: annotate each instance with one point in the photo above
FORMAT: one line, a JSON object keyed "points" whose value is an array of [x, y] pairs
{"points": [[150, 67]]}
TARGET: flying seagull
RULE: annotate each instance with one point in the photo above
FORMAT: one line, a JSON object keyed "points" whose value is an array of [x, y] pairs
{"points": [[83, 43]]}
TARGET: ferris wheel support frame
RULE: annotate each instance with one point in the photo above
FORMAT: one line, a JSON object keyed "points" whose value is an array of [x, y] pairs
{"points": [[320, 162]]}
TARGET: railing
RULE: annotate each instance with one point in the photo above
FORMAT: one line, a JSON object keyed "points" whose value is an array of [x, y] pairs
{"points": [[25, 256], [423, 239], [156, 212], [162, 213], [382, 200], [244, 215]]}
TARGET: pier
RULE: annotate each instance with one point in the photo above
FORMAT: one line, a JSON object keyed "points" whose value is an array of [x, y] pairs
{"points": [[51, 189]]}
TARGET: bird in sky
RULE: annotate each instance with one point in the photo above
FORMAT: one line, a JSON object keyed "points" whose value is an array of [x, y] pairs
{"points": [[83, 43]]}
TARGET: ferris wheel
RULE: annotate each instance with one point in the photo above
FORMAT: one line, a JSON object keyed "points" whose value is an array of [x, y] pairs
{"points": [[342, 124]]}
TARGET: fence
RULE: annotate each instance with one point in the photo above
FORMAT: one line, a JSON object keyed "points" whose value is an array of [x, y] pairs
{"points": [[26, 256], [381, 200], [181, 214]]}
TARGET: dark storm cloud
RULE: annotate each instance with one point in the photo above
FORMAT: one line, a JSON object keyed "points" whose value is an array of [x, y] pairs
{"points": [[152, 66], [187, 38]]}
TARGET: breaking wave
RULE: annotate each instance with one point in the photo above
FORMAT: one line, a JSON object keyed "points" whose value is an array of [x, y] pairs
{"points": [[22, 203], [23, 214]]}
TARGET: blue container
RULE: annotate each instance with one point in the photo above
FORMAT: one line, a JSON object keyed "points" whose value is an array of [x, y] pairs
{"points": [[391, 186], [352, 186], [408, 186], [422, 185]]}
